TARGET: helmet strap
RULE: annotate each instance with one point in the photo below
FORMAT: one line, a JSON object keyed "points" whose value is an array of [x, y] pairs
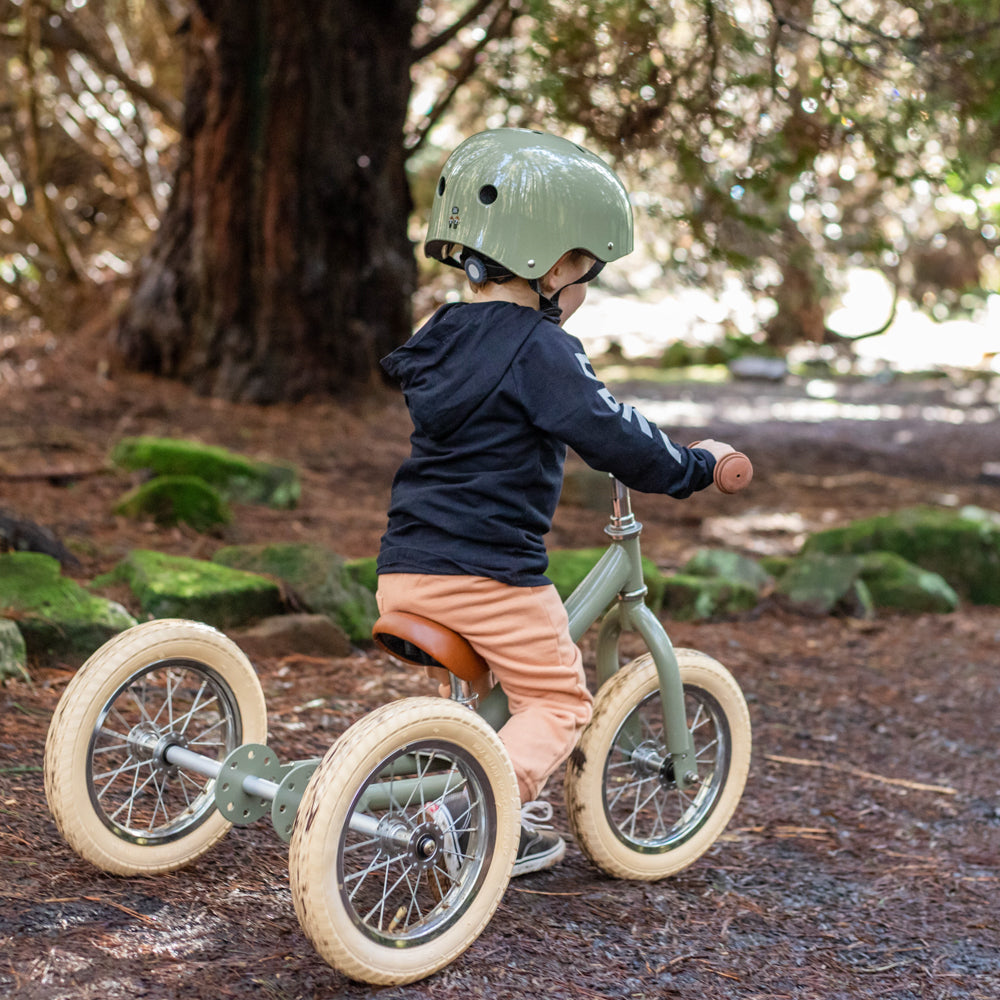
{"points": [[548, 305]]}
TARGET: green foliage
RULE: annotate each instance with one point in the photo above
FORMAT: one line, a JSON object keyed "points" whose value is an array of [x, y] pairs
{"points": [[778, 138]]}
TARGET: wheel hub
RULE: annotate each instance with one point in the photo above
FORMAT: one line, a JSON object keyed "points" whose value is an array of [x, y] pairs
{"points": [[149, 743]]}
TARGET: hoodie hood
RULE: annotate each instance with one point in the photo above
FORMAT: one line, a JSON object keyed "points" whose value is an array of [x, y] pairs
{"points": [[452, 364]]}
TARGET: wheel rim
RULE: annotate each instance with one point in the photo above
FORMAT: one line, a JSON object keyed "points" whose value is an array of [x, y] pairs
{"points": [[406, 879], [137, 793], [644, 807]]}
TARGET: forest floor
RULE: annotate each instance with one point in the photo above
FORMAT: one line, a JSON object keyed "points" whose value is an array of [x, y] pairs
{"points": [[862, 861]]}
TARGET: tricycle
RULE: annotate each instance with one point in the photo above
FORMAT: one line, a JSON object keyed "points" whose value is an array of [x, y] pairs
{"points": [[159, 745]]}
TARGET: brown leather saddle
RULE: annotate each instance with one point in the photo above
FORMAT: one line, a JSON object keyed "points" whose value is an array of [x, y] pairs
{"points": [[426, 643]]}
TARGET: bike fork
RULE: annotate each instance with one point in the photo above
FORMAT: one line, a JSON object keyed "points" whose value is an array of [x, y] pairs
{"points": [[635, 615]]}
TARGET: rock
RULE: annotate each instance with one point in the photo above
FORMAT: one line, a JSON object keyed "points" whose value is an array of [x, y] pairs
{"points": [[823, 584], [860, 585], [285, 635], [317, 578], [55, 615], [363, 572], [963, 549], [13, 652], [178, 587], [895, 582], [17, 534], [691, 598], [732, 565], [237, 478], [759, 368], [170, 500]]}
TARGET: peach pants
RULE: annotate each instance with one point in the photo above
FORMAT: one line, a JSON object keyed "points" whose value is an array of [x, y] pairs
{"points": [[523, 634]]}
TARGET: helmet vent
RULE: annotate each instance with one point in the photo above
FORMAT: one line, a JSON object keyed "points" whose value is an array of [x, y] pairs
{"points": [[441, 186], [487, 194]]}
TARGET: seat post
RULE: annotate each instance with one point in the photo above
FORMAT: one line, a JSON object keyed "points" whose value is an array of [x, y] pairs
{"points": [[461, 691]]}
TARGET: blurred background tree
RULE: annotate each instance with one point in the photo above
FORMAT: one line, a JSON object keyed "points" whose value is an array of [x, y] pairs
{"points": [[227, 184]]}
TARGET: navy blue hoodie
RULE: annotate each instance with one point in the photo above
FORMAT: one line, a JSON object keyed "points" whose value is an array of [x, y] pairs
{"points": [[496, 392]]}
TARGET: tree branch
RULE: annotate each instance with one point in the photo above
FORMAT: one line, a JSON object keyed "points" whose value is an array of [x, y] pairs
{"points": [[501, 24], [440, 40]]}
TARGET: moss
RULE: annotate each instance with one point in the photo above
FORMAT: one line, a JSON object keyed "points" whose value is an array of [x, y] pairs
{"points": [[319, 579], [364, 572], [731, 565], [894, 582], [236, 478], [963, 550], [178, 587], [690, 598], [55, 615], [170, 500]]}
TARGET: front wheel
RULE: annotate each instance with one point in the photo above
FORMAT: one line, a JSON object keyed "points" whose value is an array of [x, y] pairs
{"points": [[115, 797], [625, 809], [404, 841]]}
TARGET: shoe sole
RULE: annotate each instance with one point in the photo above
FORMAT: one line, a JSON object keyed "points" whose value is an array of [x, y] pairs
{"points": [[541, 861]]}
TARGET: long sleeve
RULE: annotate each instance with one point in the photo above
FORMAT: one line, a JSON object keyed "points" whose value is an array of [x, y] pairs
{"points": [[563, 397]]}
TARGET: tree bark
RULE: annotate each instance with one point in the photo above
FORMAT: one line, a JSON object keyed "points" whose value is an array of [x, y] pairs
{"points": [[282, 267]]}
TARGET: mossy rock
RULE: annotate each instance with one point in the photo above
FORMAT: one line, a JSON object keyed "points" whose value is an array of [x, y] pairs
{"points": [[364, 572], [55, 615], [568, 567], [729, 565], [691, 598], [179, 587], [895, 582], [237, 478], [823, 584], [318, 578], [13, 652], [860, 585], [964, 550], [170, 500]]}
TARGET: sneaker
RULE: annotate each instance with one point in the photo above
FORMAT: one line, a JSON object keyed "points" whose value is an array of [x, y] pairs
{"points": [[540, 847]]}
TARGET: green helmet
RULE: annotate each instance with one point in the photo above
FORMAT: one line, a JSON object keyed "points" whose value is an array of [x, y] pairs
{"points": [[523, 198]]}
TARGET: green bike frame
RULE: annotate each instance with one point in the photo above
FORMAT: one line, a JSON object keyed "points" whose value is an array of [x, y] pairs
{"points": [[615, 588]]}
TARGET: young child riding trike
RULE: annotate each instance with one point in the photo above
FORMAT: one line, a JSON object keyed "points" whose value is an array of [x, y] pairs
{"points": [[403, 837]]}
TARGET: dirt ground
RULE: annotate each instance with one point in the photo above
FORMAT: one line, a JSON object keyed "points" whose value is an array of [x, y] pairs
{"points": [[862, 861]]}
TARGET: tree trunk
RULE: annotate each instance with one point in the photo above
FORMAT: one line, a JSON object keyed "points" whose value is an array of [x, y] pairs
{"points": [[282, 267]]}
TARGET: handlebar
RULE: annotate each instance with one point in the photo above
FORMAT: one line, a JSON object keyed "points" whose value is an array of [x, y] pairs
{"points": [[733, 472]]}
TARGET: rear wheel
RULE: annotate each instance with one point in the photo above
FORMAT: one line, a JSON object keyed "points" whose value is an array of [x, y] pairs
{"points": [[385, 889], [625, 808], [114, 796]]}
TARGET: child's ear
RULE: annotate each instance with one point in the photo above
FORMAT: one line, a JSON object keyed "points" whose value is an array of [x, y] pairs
{"points": [[550, 280]]}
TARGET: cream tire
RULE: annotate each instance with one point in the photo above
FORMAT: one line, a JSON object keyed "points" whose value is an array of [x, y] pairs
{"points": [[625, 810], [114, 797], [396, 901]]}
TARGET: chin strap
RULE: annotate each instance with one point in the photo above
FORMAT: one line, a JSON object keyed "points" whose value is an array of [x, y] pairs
{"points": [[547, 306]]}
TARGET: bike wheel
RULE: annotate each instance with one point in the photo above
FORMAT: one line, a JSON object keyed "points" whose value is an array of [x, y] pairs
{"points": [[625, 810], [115, 798], [386, 893]]}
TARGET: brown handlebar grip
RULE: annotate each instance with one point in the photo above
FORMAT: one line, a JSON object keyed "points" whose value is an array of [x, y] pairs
{"points": [[733, 472]]}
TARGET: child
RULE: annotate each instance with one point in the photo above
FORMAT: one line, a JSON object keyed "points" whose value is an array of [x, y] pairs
{"points": [[496, 391]]}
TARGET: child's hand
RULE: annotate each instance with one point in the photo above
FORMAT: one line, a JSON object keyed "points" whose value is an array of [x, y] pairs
{"points": [[717, 448]]}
